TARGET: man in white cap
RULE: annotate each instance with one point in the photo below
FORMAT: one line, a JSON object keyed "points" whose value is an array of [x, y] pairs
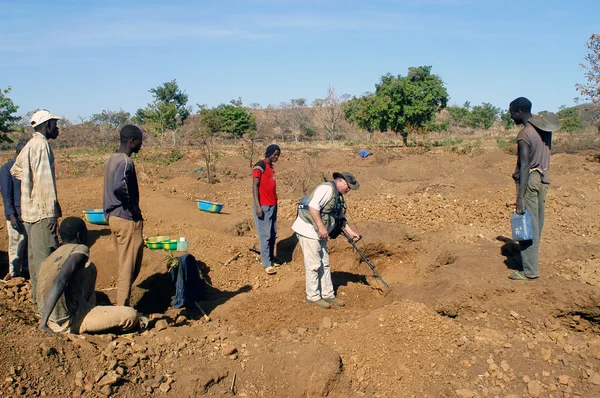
{"points": [[319, 219], [40, 209]]}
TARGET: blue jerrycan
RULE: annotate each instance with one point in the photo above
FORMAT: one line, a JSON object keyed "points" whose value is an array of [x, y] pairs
{"points": [[522, 226]]}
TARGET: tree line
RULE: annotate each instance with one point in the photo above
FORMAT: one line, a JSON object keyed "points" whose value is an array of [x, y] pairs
{"points": [[404, 104]]}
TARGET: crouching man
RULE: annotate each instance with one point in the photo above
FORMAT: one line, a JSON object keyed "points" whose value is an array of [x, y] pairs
{"points": [[66, 289], [316, 222]]}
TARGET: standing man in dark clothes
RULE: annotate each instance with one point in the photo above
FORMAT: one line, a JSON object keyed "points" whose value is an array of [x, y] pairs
{"points": [[40, 209], [17, 237], [264, 191], [122, 210], [532, 176]]}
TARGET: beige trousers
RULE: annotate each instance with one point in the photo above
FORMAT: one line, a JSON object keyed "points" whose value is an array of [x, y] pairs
{"points": [[316, 266], [91, 318], [128, 240]]}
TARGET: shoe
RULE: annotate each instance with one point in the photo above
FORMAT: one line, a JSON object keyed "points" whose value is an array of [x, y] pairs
{"points": [[277, 262], [520, 276], [270, 270], [335, 301], [319, 303]]}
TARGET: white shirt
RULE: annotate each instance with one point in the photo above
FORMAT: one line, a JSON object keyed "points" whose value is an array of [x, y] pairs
{"points": [[322, 195]]}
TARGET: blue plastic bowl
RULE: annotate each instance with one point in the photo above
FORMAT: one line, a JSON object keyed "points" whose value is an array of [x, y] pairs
{"points": [[210, 207], [95, 216]]}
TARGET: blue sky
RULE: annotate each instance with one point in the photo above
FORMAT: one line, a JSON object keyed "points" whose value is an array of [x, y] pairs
{"points": [[77, 58]]}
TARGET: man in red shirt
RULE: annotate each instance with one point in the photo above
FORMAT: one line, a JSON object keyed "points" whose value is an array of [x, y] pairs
{"points": [[264, 191]]}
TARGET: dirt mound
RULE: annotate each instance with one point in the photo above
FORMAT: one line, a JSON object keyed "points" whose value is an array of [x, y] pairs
{"points": [[435, 226]]}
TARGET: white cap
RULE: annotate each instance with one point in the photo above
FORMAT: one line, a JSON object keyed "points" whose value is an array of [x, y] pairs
{"points": [[42, 116]]}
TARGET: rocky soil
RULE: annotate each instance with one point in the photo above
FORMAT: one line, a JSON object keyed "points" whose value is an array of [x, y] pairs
{"points": [[436, 227]]}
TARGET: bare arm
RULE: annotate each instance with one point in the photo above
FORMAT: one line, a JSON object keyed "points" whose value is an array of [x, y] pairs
{"points": [[523, 149], [316, 215], [350, 231], [76, 260], [256, 195]]}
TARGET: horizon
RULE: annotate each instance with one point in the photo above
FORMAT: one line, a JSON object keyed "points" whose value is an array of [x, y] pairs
{"points": [[97, 56]]}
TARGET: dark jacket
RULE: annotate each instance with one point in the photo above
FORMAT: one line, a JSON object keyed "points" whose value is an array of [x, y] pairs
{"points": [[11, 190]]}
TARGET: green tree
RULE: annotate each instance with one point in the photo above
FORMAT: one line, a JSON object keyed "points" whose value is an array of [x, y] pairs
{"points": [[506, 120], [236, 120], [591, 66], [483, 116], [7, 110], [570, 120], [167, 111], [459, 114], [110, 119], [410, 102], [364, 112]]}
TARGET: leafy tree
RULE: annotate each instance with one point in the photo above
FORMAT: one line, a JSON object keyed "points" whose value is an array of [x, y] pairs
{"points": [[364, 112], [570, 120], [110, 119], [591, 89], [410, 102], [236, 120], [483, 116], [506, 120], [7, 109], [459, 114], [329, 111], [167, 111]]}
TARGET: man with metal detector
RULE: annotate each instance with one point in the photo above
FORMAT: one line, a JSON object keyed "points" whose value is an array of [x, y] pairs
{"points": [[320, 217]]}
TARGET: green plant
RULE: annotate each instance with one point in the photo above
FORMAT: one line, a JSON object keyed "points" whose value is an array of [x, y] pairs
{"points": [[483, 116], [410, 101], [569, 119], [160, 157], [506, 120], [167, 111], [7, 118]]}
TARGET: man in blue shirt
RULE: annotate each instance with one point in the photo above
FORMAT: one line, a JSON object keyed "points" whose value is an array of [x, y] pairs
{"points": [[17, 237]]}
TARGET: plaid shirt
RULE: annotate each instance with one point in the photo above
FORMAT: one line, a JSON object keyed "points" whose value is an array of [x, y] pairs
{"points": [[35, 168]]}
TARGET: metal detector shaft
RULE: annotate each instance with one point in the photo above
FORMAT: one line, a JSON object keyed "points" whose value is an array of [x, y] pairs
{"points": [[375, 273]]}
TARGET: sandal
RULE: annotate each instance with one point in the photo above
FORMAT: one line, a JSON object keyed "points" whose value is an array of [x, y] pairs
{"points": [[270, 270]]}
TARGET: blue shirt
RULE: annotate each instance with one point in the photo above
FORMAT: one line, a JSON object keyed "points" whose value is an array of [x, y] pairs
{"points": [[11, 190]]}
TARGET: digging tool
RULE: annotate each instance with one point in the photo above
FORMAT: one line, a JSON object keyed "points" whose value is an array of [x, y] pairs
{"points": [[375, 273], [202, 311]]}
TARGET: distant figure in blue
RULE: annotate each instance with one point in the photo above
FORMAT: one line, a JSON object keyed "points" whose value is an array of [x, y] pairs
{"points": [[17, 237], [363, 153]]}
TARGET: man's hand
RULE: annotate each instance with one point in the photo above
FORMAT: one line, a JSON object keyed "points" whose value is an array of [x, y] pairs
{"points": [[355, 237], [45, 328], [520, 205], [52, 224], [323, 233], [259, 211], [15, 223]]}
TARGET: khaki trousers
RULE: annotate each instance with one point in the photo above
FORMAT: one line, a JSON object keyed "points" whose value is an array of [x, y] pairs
{"points": [[316, 266], [128, 240], [91, 318]]}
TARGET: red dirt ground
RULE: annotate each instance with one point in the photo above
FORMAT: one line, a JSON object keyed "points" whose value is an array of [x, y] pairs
{"points": [[434, 226]]}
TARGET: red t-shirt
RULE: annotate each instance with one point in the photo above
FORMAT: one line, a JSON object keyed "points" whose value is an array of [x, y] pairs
{"points": [[267, 184]]}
